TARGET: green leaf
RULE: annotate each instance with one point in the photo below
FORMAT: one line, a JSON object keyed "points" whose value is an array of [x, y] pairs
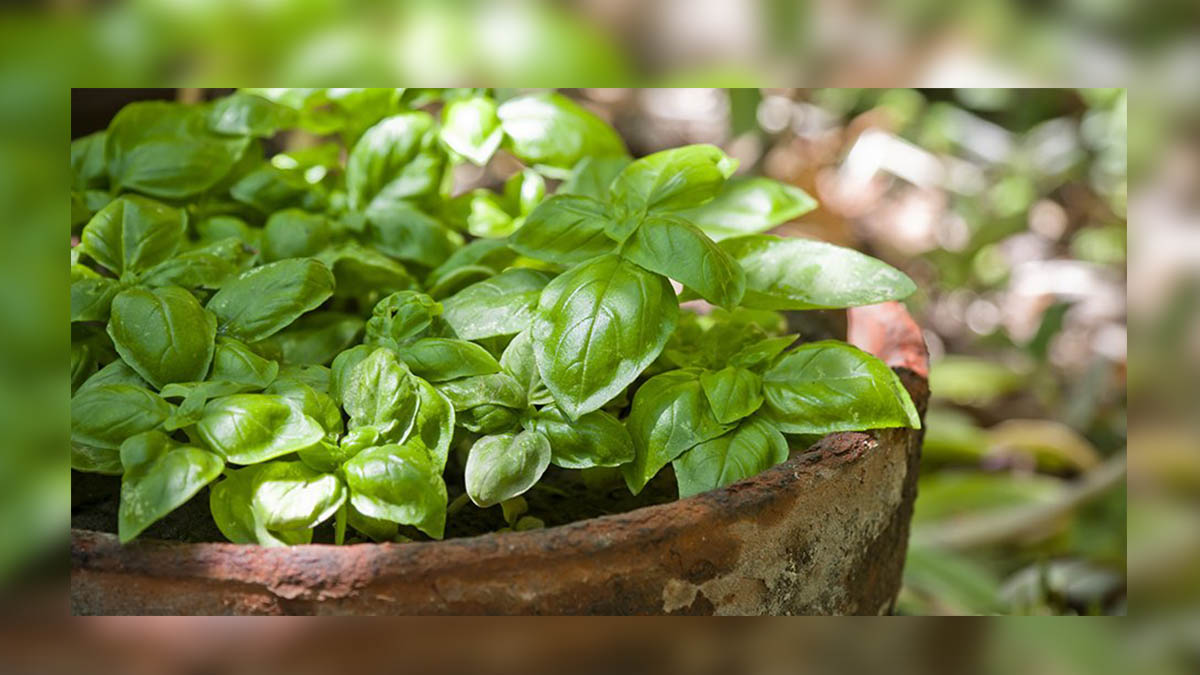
{"points": [[494, 389], [364, 273], [291, 496], [243, 114], [440, 359], [593, 176], [595, 439], [87, 162], [164, 334], [396, 160], [293, 233], [829, 386], [564, 229], [598, 326], [518, 361], [755, 446], [506, 465], [375, 529], [402, 231], [471, 128], [759, 354], [804, 274], [267, 299], [314, 339], [401, 318], [674, 179], [165, 150], [252, 428], [133, 234], [117, 372], [269, 189], [524, 191], [104, 415], [433, 428], [670, 415], [398, 483], [732, 393], [195, 395], [380, 392], [502, 305], [160, 475], [750, 206], [491, 254], [233, 361], [208, 266], [343, 367], [218, 228], [677, 249], [91, 294], [104, 461], [550, 129], [230, 502]]}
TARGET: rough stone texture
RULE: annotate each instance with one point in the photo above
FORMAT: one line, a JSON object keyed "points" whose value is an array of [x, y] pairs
{"points": [[823, 533]]}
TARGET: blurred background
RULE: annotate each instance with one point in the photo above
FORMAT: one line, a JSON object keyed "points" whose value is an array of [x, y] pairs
{"points": [[1009, 206]]}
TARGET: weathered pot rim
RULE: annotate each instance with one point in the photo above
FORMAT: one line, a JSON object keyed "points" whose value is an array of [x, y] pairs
{"points": [[885, 330]]}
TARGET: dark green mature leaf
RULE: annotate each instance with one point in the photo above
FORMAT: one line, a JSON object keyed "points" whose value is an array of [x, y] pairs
{"points": [[291, 496], [401, 318], [504, 466], [104, 415], [396, 160], [471, 128], [750, 206], [230, 502], [160, 475], [219, 228], [132, 234], [208, 266], [267, 299], [433, 428], [91, 294], [492, 254], [164, 334], [243, 114], [440, 359], [677, 249], [759, 355], [293, 233], [733, 393], [593, 176], [252, 428], [674, 179], [598, 326], [87, 162], [165, 150], [361, 272], [402, 231], [269, 189], [805, 274], [233, 361], [564, 229], [502, 305], [550, 129], [381, 392], [314, 339], [828, 386], [670, 415], [399, 483], [87, 459], [753, 447], [117, 372], [595, 439]]}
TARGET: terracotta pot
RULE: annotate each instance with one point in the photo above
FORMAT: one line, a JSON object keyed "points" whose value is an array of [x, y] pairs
{"points": [[823, 533]]}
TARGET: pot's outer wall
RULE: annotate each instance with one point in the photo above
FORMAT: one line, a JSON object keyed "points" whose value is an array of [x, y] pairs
{"points": [[823, 533]]}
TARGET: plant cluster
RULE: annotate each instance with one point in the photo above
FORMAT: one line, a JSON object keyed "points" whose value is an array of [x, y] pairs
{"points": [[329, 333]]}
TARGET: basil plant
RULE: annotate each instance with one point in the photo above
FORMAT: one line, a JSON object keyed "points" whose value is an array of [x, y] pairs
{"points": [[330, 334]]}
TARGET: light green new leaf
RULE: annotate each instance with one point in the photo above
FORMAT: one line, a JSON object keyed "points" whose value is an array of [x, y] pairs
{"points": [[380, 392], [243, 114], [230, 501], [564, 229], [595, 439], [674, 179], [675, 248], [753, 447], [502, 305], [441, 359], [160, 475], [471, 128], [399, 483], [551, 129], [506, 465], [253, 428], [750, 206], [433, 428], [291, 496], [396, 160]]}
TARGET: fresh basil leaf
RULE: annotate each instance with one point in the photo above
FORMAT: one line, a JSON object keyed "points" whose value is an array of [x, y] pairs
{"points": [[828, 386], [804, 274], [674, 179], [433, 428], [595, 439], [471, 128], [489, 418], [253, 428], [401, 318], [195, 395], [524, 191], [316, 404], [593, 176], [598, 326], [670, 415], [117, 372], [133, 234], [243, 114], [230, 502], [291, 496], [402, 231], [217, 228], [375, 529], [502, 305], [91, 294], [380, 392], [506, 465], [491, 254], [750, 206], [342, 369], [208, 266], [165, 150], [104, 415], [755, 446], [317, 377], [314, 339], [677, 249], [87, 162], [362, 272], [267, 299], [498, 389], [293, 233], [551, 129], [104, 461], [759, 355], [164, 334], [440, 359], [486, 216], [396, 160], [732, 393], [564, 229], [518, 361], [398, 483], [233, 361], [160, 475]]}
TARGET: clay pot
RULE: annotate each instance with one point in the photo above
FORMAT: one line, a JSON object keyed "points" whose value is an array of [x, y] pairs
{"points": [[823, 533]]}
